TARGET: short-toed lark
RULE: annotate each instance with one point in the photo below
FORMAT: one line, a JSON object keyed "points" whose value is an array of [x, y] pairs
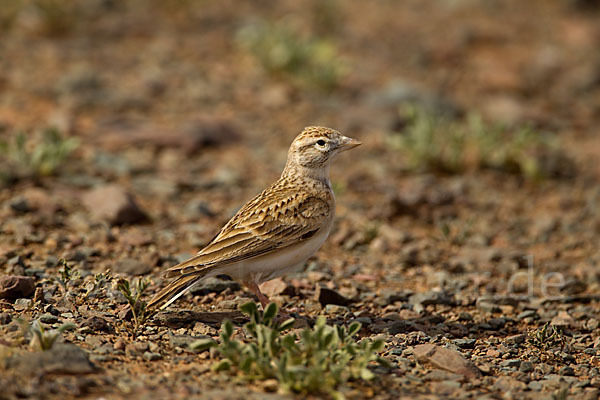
{"points": [[276, 231]]}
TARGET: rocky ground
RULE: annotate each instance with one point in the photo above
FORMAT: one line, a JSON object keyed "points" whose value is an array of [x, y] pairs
{"points": [[483, 280]]}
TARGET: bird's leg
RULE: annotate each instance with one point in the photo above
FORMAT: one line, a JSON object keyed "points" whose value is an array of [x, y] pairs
{"points": [[264, 300]]}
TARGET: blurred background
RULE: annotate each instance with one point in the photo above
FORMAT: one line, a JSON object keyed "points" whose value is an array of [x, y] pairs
{"points": [[130, 131], [134, 129]]}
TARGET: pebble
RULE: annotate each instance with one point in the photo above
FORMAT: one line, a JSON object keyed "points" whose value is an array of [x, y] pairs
{"points": [[113, 204], [446, 359], [528, 314], [512, 363], [430, 297], [507, 384], [132, 266], [215, 285], [335, 309], [152, 356], [526, 366], [516, 339], [15, 287], [63, 358], [327, 296], [5, 318], [48, 318], [465, 343]]}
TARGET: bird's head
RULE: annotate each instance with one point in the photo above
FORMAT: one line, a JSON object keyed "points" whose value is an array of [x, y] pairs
{"points": [[316, 146]]}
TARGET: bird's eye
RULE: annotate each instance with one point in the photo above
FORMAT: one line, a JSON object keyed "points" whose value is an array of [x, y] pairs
{"points": [[321, 142]]}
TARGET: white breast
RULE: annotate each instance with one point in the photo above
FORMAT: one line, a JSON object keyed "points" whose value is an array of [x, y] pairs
{"points": [[278, 263]]}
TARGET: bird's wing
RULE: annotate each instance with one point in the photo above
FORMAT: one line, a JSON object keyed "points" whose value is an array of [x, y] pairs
{"points": [[274, 219]]}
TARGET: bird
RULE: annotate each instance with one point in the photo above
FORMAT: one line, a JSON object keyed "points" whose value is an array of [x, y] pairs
{"points": [[275, 232]]}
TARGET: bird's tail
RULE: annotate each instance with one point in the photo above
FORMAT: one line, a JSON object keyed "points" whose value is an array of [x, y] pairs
{"points": [[173, 291]]}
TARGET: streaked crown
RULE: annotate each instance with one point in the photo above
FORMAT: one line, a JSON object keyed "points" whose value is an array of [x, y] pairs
{"points": [[316, 147]]}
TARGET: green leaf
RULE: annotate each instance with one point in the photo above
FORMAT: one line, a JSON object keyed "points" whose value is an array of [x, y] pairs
{"points": [[250, 309], [354, 328], [202, 344], [270, 312], [223, 365], [366, 374], [287, 324]]}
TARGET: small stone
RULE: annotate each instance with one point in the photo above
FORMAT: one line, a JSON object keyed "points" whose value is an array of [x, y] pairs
{"points": [[327, 296], [446, 359], [215, 284], [20, 205], [528, 314], [536, 386], [136, 348], [152, 356], [512, 363], [5, 318], [276, 287], [485, 304], [516, 339], [132, 266], [364, 320], [526, 366], [48, 318], [119, 344], [97, 324], [113, 204], [592, 324], [391, 316], [15, 287], [401, 326], [507, 384], [23, 304], [465, 316], [497, 323], [567, 370], [184, 341], [335, 309], [431, 297], [270, 385], [465, 343], [563, 319], [62, 358]]}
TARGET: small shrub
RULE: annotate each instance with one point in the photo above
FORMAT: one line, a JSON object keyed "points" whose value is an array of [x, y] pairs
{"points": [[438, 144], [318, 361], [37, 159], [547, 337], [101, 281], [133, 297], [282, 52], [42, 339], [66, 275]]}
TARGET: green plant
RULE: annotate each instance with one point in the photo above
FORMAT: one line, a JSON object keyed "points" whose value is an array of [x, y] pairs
{"points": [[283, 52], [38, 159], [43, 339], [318, 361], [438, 144], [66, 275], [133, 297], [547, 337], [100, 282]]}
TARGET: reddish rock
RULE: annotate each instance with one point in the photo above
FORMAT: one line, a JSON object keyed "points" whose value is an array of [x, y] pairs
{"points": [[195, 135], [16, 287], [276, 287], [446, 359], [113, 204], [328, 296]]}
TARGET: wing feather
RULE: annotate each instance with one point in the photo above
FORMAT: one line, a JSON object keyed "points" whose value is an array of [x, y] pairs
{"points": [[273, 220]]}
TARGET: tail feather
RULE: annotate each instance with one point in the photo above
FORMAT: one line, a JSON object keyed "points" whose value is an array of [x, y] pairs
{"points": [[173, 291]]}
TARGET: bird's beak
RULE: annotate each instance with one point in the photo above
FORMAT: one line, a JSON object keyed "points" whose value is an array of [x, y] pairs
{"points": [[349, 143]]}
